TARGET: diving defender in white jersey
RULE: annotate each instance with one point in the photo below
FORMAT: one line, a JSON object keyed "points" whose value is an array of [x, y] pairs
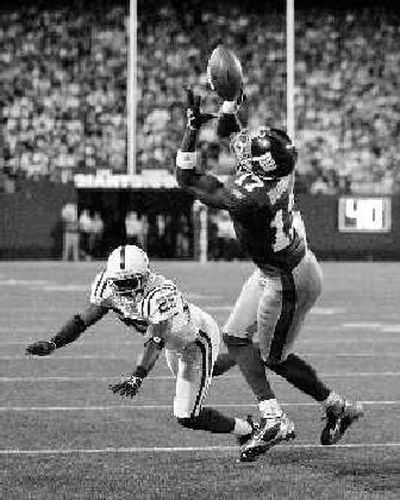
{"points": [[151, 305]]}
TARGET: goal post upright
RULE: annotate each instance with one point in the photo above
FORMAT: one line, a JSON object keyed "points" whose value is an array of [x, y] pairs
{"points": [[131, 88], [290, 69]]}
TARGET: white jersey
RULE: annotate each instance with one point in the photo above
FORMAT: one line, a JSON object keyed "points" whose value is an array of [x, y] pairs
{"points": [[160, 302]]}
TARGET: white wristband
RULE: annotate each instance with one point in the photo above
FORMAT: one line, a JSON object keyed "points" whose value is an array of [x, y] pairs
{"points": [[186, 160], [229, 107]]}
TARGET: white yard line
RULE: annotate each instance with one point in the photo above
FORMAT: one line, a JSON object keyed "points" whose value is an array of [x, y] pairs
{"points": [[56, 356], [163, 407], [318, 311], [337, 340], [379, 354], [187, 449], [89, 343], [375, 354], [170, 377]]}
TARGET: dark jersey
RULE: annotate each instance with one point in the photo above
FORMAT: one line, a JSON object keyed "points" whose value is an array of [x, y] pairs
{"points": [[262, 215]]}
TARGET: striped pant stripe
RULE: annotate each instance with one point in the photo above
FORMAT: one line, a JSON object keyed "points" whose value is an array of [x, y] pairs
{"points": [[286, 316], [207, 340], [99, 281], [205, 346]]}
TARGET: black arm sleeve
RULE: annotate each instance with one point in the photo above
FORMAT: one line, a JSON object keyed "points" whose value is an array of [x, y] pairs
{"points": [[76, 325], [70, 331]]}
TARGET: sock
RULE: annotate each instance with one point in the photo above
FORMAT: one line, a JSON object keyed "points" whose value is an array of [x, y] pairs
{"points": [[332, 400], [249, 361], [212, 420], [301, 375], [269, 408], [242, 428]]}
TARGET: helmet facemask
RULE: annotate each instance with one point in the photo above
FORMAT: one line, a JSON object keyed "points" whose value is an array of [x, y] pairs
{"points": [[128, 285], [264, 152]]}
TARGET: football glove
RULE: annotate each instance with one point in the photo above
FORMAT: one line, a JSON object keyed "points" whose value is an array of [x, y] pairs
{"points": [[128, 387], [228, 122], [41, 348], [195, 117]]}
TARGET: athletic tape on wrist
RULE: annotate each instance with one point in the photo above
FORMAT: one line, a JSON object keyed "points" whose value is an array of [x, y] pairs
{"points": [[229, 107], [186, 160]]}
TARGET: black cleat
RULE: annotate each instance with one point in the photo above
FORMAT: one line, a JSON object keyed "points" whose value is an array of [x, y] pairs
{"points": [[339, 417], [255, 426], [270, 433]]}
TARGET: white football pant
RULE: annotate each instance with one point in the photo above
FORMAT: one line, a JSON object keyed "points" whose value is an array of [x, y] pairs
{"points": [[193, 365], [273, 305]]}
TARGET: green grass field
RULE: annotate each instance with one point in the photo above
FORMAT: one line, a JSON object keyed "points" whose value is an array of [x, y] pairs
{"points": [[64, 435]]}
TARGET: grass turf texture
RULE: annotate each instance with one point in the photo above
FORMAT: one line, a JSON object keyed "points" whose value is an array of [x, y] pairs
{"points": [[353, 339]]}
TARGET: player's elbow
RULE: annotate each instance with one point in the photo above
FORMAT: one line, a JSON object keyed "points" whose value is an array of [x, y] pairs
{"points": [[92, 314]]}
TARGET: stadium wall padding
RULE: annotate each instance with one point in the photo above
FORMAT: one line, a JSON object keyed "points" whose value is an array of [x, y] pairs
{"points": [[320, 213], [30, 226], [30, 220]]}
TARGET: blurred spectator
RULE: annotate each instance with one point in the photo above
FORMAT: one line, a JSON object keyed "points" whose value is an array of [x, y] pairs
{"points": [[69, 216], [95, 234], [183, 237], [85, 228], [319, 186], [226, 246], [63, 85], [136, 229]]}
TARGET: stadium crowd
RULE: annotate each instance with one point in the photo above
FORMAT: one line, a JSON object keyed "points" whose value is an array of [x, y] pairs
{"points": [[63, 87]]}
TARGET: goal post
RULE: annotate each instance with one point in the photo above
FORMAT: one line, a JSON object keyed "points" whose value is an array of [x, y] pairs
{"points": [[132, 95], [131, 88], [290, 67]]}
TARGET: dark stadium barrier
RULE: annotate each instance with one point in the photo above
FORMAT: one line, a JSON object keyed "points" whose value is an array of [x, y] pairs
{"points": [[321, 216], [30, 222]]}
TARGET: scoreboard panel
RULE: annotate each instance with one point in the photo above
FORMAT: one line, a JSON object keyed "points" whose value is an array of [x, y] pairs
{"points": [[365, 214]]}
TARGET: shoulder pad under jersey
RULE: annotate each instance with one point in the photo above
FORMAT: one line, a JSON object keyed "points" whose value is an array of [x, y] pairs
{"points": [[161, 303], [245, 189], [100, 290]]}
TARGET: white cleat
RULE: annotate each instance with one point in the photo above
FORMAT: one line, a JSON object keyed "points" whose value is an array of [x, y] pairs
{"points": [[270, 433]]}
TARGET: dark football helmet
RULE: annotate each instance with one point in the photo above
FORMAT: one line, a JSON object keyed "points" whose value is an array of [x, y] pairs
{"points": [[265, 152]]}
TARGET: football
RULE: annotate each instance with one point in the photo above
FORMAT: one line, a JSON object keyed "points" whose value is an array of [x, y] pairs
{"points": [[225, 74]]}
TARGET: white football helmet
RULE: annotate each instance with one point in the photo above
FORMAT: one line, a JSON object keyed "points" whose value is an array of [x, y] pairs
{"points": [[127, 269]]}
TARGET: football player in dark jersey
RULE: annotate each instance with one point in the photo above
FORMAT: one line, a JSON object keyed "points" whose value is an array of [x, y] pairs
{"points": [[287, 280]]}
